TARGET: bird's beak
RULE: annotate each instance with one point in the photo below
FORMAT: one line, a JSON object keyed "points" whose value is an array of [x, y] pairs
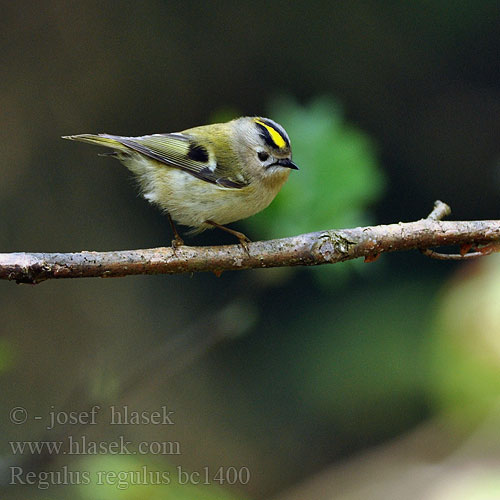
{"points": [[286, 162]]}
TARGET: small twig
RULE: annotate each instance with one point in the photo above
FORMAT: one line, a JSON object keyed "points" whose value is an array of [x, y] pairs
{"points": [[452, 256], [439, 212], [324, 247]]}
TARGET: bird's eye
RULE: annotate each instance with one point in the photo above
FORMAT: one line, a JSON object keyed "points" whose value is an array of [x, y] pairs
{"points": [[263, 156]]}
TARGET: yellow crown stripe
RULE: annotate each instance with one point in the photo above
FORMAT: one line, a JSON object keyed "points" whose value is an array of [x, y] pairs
{"points": [[275, 135]]}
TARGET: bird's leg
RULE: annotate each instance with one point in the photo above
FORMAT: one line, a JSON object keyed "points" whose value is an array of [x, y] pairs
{"points": [[244, 241], [177, 241]]}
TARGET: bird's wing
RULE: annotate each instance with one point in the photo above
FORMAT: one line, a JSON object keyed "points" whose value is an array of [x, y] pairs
{"points": [[182, 151]]}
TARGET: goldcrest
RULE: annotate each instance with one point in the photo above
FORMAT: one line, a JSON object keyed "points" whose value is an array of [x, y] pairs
{"points": [[207, 176]]}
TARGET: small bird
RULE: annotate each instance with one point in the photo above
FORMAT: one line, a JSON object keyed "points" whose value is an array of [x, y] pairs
{"points": [[206, 176]]}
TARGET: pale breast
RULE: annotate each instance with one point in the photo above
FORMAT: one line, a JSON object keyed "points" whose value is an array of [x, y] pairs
{"points": [[191, 201]]}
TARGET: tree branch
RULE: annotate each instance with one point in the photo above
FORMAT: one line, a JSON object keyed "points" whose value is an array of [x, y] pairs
{"points": [[310, 249]]}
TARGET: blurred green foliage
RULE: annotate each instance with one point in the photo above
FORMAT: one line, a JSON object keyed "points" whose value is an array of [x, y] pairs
{"points": [[465, 347], [355, 374], [358, 376]]}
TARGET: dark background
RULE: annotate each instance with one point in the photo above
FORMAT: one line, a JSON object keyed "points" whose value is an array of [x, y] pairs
{"points": [[281, 371]]}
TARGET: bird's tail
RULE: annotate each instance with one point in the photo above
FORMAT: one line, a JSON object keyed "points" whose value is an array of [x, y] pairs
{"points": [[101, 140]]}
